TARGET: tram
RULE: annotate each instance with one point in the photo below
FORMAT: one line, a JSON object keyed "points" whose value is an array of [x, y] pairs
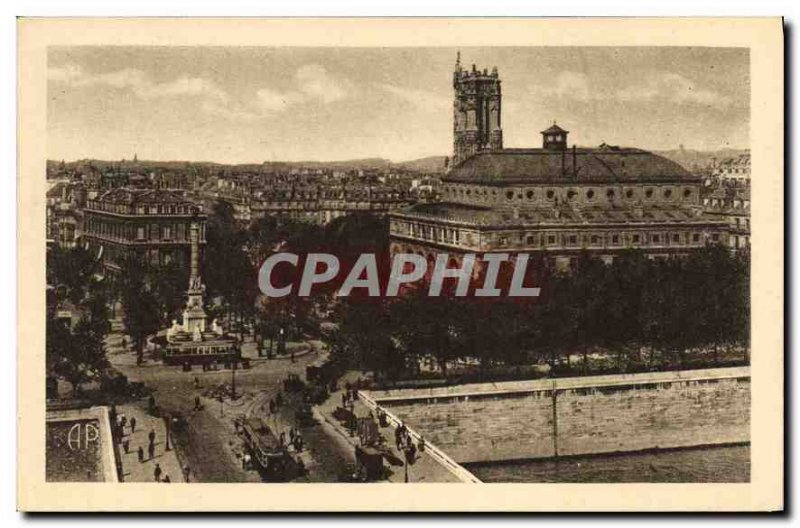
{"points": [[273, 459]]}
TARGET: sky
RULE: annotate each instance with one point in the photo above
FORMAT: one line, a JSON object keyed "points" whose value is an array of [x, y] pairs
{"points": [[249, 105]]}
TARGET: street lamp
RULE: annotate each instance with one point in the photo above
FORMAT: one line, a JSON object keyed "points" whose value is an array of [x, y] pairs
{"points": [[167, 425], [233, 375]]}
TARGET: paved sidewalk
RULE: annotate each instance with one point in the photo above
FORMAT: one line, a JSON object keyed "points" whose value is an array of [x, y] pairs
{"points": [[132, 469]]}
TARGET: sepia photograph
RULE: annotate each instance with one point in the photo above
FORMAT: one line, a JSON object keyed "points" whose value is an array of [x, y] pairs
{"points": [[428, 264]]}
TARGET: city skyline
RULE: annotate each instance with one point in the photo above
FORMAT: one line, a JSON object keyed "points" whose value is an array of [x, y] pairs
{"points": [[250, 105]]}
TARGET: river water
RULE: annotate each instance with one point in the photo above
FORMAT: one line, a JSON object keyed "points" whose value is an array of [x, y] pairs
{"points": [[713, 464]]}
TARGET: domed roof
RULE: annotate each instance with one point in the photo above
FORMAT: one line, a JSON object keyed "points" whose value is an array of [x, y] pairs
{"points": [[605, 164]]}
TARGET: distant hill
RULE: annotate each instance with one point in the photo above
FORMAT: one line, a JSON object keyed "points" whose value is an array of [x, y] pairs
{"points": [[698, 159], [688, 158], [434, 164], [431, 164]]}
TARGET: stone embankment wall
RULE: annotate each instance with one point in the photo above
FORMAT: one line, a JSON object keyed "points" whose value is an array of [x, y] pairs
{"points": [[579, 416]]}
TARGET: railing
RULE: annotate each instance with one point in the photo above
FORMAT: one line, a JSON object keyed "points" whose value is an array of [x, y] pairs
{"points": [[437, 454]]}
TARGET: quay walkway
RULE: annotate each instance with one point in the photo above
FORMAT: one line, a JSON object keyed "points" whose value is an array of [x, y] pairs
{"points": [[430, 466]]}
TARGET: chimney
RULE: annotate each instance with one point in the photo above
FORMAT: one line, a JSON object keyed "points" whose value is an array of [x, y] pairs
{"points": [[574, 163]]}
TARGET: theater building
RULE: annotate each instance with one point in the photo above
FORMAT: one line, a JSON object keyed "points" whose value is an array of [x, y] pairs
{"points": [[554, 201], [151, 223]]}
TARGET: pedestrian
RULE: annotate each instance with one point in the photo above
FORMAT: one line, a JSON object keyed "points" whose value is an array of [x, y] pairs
{"points": [[124, 344], [151, 451], [186, 472], [141, 454], [123, 421], [246, 462], [151, 436], [133, 424], [197, 403], [196, 382], [344, 400], [157, 473], [166, 479], [126, 445]]}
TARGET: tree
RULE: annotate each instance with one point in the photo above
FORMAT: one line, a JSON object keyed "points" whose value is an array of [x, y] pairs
{"points": [[142, 309], [168, 283], [79, 355]]}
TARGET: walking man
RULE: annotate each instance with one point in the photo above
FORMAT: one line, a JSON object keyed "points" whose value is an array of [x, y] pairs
{"points": [[151, 451], [141, 454], [157, 473], [186, 473], [152, 436], [133, 424]]}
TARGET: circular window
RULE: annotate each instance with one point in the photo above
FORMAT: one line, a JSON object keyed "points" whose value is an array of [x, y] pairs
{"points": [[629, 193], [667, 193], [550, 194], [571, 194], [610, 193], [590, 194], [687, 193], [649, 193], [469, 191], [529, 194], [510, 195]]}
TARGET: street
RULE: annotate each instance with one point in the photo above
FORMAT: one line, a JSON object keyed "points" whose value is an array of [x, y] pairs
{"points": [[209, 445]]}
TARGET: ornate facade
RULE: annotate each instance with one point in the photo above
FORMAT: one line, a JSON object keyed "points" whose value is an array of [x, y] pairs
{"points": [[155, 224]]}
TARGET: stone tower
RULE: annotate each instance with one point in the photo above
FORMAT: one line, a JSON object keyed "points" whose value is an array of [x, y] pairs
{"points": [[476, 112]]}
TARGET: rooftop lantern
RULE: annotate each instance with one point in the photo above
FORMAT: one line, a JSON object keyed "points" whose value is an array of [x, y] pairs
{"points": [[554, 138]]}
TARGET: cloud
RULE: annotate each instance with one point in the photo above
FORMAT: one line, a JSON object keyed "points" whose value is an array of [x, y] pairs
{"points": [[272, 101], [670, 88], [189, 86], [312, 83], [573, 85], [316, 83], [674, 88], [421, 99], [68, 73], [138, 82], [229, 111]]}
